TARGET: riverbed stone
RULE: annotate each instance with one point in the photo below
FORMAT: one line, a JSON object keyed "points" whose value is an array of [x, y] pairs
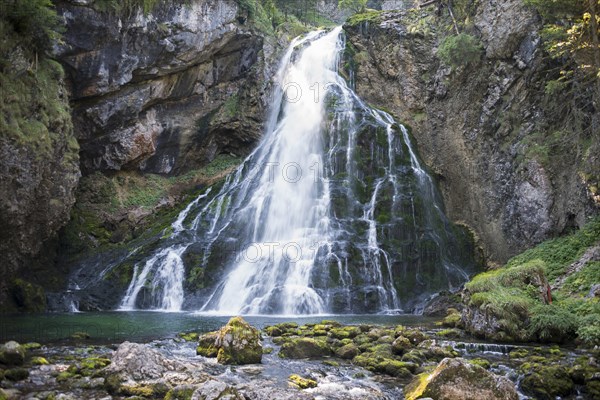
{"points": [[304, 347], [239, 343], [302, 383], [457, 379], [401, 345], [546, 382], [213, 390], [348, 351], [140, 361], [12, 353]]}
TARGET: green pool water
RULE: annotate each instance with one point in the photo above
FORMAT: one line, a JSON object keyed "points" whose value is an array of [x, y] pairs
{"points": [[117, 326]]}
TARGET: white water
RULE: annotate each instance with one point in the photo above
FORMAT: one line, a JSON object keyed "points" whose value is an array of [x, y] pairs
{"points": [[289, 208], [163, 275]]}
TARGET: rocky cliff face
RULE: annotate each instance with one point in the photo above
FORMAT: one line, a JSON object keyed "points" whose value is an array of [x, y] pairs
{"points": [[39, 171], [163, 91], [472, 123]]}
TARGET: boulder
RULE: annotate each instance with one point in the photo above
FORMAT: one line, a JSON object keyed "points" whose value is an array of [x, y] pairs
{"points": [[401, 345], [304, 347], [12, 353], [141, 362], [457, 379], [238, 343], [348, 351]]}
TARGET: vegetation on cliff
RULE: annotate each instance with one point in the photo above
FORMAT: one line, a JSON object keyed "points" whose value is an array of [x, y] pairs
{"points": [[548, 293]]}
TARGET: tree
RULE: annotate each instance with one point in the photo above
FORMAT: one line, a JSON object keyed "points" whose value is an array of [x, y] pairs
{"points": [[35, 21], [355, 6], [571, 37]]}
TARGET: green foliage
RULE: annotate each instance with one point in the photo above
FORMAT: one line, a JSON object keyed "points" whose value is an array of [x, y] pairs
{"points": [[559, 253], [460, 50], [513, 294], [126, 6], [34, 22], [550, 322], [32, 110], [356, 6], [520, 276], [570, 36], [589, 329], [370, 16]]}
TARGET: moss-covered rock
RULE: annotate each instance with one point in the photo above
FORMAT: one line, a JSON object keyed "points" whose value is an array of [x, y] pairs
{"points": [[302, 383], [189, 336], [401, 345], [452, 319], [346, 332], [39, 361], [16, 374], [305, 347], [457, 379], [378, 362], [546, 382], [183, 392], [207, 345], [238, 343], [12, 353], [348, 351]]}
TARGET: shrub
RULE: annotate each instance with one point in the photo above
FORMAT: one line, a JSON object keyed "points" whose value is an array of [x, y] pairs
{"points": [[551, 322], [34, 21], [589, 329], [460, 50]]}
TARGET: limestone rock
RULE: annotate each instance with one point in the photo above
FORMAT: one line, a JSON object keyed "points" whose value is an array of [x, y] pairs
{"points": [[456, 379], [140, 362], [163, 91]]}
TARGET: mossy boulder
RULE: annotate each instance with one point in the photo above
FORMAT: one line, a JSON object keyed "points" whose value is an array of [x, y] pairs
{"points": [[401, 345], [348, 351], [305, 347], [207, 345], [378, 362], [16, 374], [238, 343], [39, 361], [346, 332], [546, 382], [182, 392], [457, 379], [302, 383], [415, 336], [12, 353], [282, 329]]}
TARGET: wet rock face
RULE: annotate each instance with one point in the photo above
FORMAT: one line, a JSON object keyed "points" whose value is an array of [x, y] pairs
{"points": [[471, 123], [164, 91]]}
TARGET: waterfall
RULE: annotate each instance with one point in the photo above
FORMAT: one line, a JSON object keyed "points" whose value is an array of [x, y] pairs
{"points": [[332, 212]]}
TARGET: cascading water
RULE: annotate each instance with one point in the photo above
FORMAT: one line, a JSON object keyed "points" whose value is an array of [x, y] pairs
{"points": [[331, 213]]}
